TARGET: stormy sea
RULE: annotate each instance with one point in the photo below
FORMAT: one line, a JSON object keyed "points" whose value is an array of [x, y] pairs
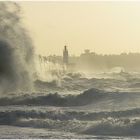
{"points": [[104, 105]]}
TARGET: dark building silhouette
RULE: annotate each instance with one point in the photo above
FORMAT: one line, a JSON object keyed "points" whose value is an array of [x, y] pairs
{"points": [[65, 55]]}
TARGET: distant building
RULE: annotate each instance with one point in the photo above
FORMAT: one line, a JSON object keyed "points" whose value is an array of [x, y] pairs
{"points": [[65, 55], [87, 51]]}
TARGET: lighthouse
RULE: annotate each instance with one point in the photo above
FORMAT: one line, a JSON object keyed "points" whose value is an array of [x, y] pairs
{"points": [[65, 56]]}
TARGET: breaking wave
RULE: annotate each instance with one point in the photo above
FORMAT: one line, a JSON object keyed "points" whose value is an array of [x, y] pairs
{"points": [[16, 50], [55, 99], [64, 115], [120, 128], [115, 123], [73, 113]]}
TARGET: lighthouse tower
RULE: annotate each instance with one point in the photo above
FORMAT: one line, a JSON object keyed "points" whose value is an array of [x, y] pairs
{"points": [[65, 56]]}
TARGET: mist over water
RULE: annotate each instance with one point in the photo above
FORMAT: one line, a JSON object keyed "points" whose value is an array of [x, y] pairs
{"points": [[66, 102], [16, 50]]}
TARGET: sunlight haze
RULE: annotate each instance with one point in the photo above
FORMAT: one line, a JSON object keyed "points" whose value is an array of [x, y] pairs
{"points": [[103, 27]]}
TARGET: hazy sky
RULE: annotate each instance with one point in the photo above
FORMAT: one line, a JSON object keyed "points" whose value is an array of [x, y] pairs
{"points": [[103, 27]]}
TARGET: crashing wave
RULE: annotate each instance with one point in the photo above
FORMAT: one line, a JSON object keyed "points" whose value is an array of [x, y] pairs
{"points": [[55, 99], [16, 50]]}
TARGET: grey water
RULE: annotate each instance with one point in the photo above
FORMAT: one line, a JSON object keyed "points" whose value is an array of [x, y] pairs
{"points": [[104, 105], [93, 112]]}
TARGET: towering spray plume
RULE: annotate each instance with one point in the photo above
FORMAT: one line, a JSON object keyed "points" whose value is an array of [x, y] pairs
{"points": [[16, 50]]}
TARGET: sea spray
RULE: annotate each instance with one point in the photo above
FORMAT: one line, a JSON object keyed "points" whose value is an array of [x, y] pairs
{"points": [[16, 50]]}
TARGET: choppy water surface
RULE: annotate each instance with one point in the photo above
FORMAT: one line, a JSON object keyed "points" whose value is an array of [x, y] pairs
{"points": [[105, 107]]}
